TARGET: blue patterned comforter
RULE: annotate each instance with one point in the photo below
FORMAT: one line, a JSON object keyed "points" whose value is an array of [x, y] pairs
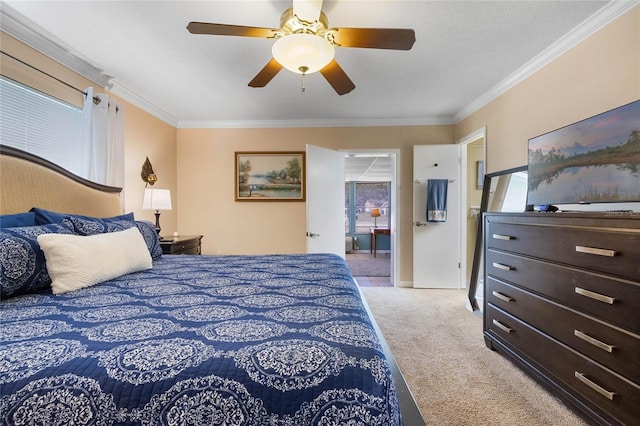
{"points": [[199, 340]]}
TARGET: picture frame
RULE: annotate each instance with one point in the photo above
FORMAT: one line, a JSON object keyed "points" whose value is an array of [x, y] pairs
{"points": [[270, 176]]}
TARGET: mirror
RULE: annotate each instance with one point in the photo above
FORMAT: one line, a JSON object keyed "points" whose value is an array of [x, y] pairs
{"points": [[504, 191]]}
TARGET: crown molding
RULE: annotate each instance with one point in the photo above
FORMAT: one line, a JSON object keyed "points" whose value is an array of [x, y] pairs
{"points": [[595, 22], [20, 28], [131, 97], [276, 124]]}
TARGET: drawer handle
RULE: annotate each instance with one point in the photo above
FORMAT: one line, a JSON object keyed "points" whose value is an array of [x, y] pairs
{"points": [[503, 267], [602, 391], [595, 342], [596, 296], [502, 296], [503, 237], [596, 251], [501, 326]]}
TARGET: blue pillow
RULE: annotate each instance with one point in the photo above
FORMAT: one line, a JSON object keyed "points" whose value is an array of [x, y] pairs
{"points": [[83, 225], [17, 220], [22, 263], [43, 216], [92, 226]]}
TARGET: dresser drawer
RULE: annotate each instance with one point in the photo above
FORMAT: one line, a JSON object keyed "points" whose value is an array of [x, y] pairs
{"points": [[582, 377], [611, 299], [614, 251], [611, 346]]}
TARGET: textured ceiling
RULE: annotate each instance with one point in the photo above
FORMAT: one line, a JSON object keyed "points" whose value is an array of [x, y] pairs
{"points": [[368, 168], [463, 50]]}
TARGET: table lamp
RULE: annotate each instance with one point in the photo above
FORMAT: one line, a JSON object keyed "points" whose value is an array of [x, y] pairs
{"points": [[375, 214], [157, 199]]}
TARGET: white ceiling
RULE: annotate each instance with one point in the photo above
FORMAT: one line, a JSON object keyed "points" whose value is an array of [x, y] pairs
{"points": [[465, 53], [368, 168]]}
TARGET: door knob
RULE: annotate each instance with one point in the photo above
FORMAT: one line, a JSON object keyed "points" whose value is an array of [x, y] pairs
{"points": [[312, 235]]}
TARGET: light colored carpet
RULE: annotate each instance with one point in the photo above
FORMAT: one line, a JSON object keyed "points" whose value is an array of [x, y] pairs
{"points": [[365, 265], [454, 377]]}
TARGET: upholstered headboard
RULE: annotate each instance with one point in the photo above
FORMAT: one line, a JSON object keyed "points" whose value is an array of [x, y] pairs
{"points": [[28, 181]]}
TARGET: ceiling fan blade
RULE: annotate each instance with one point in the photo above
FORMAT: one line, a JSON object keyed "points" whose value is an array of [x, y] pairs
{"points": [[230, 30], [307, 10], [266, 74], [337, 78], [374, 38]]}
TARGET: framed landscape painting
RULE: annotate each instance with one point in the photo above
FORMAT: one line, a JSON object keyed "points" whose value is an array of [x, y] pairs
{"points": [[270, 176]]}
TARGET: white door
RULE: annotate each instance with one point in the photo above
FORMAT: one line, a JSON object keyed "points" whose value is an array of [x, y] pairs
{"points": [[436, 245], [325, 201]]}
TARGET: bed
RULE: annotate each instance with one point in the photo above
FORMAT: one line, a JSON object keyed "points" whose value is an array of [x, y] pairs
{"points": [[232, 340]]}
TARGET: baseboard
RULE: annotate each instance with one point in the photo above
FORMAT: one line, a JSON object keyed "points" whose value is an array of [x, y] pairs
{"points": [[387, 252]]}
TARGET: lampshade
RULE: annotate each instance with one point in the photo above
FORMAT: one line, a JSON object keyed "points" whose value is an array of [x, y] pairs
{"points": [[375, 212], [156, 199], [303, 53]]}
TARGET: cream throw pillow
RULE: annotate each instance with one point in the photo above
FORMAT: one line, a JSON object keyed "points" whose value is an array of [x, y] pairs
{"points": [[75, 261]]}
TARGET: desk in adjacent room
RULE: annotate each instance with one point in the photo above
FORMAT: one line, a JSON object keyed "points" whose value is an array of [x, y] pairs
{"points": [[373, 237]]}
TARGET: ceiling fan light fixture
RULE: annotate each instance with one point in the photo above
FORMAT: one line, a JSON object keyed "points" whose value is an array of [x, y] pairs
{"points": [[303, 53]]}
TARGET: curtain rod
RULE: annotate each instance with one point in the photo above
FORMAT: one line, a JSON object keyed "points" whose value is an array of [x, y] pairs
{"points": [[96, 99]]}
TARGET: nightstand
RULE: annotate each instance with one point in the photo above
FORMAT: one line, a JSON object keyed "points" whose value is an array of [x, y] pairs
{"points": [[184, 244]]}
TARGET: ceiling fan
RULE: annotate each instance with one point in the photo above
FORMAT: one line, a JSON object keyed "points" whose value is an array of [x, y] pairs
{"points": [[305, 43]]}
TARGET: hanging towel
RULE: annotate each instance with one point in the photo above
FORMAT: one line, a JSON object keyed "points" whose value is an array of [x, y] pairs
{"points": [[437, 200]]}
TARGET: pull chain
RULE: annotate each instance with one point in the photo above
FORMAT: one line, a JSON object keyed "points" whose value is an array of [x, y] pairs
{"points": [[303, 70]]}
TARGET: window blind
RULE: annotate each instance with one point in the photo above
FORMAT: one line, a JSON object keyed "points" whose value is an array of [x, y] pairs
{"points": [[42, 125]]}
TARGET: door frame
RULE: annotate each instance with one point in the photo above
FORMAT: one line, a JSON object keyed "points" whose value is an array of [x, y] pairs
{"points": [[393, 198], [480, 133]]}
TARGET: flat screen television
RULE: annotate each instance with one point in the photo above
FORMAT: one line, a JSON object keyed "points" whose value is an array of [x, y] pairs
{"points": [[596, 160]]}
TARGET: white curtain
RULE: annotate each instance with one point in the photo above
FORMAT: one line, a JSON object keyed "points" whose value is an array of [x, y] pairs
{"points": [[103, 133]]}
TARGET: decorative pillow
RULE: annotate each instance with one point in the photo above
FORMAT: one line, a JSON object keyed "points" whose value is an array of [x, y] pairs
{"points": [[93, 226], [150, 235], [76, 261], [22, 263], [17, 220], [43, 216]]}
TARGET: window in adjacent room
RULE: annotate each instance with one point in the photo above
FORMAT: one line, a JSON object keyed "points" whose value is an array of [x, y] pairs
{"points": [[360, 201]]}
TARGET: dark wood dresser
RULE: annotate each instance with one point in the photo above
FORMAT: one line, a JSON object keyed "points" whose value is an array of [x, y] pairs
{"points": [[184, 244], [562, 300]]}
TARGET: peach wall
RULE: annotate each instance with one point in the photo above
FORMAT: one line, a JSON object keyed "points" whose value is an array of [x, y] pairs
{"points": [[144, 134], [600, 73], [32, 78], [147, 136], [206, 183]]}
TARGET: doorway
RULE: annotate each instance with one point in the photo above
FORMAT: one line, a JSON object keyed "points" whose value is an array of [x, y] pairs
{"points": [[473, 159], [370, 216]]}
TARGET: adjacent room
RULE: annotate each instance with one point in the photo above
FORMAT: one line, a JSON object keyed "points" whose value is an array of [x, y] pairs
{"points": [[306, 212]]}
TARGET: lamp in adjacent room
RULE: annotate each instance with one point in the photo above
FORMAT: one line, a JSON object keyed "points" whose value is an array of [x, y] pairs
{"points": [[375, 214], [157, 199]]}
